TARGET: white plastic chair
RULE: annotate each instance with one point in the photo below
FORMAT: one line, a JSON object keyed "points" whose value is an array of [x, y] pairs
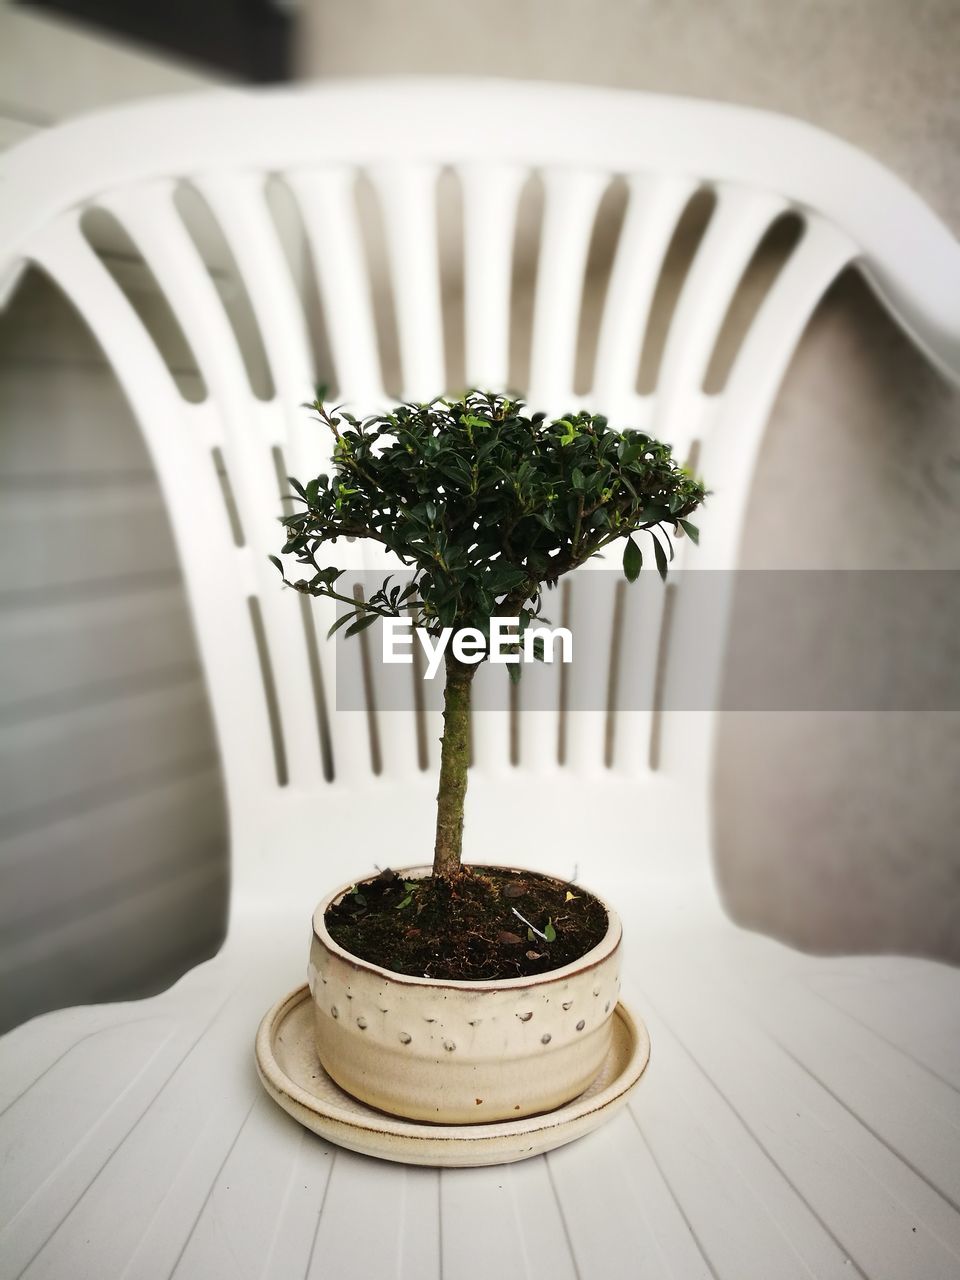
{"points": [[799, 1116]]}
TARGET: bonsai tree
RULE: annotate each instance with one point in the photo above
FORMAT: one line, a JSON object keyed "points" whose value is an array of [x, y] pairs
{"points": [[488, 507]]}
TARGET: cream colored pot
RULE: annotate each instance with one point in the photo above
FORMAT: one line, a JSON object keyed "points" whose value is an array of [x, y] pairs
{"points": [[461, 1052]]}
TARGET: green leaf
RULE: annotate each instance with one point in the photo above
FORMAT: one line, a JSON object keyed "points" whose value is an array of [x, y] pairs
{"points": [[661, 555], [632, 560], [406, 902], [632, 453], [691, 530], [475, 497], [505, 577], [342, 621], [361, 624], [455, 468], [550, 932], [652, 514], [275, 560]]}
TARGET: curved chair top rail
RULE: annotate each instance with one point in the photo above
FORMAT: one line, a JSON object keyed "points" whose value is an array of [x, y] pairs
{"points": [[906, 252]]}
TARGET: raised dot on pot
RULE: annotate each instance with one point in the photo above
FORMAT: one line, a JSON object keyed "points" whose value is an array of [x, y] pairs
{"points": [[581, 1024], [362, 1023], [334, 1011], [567, 1004], [546, 1038], [405, 1038], [449, 1046], [524, 1017]]}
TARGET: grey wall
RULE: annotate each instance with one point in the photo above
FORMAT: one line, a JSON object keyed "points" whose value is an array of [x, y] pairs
{"points": [[881, 73], [834, 831]]}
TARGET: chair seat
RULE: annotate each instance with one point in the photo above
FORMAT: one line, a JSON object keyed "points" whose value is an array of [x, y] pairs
{"points": [[799, 1117]]}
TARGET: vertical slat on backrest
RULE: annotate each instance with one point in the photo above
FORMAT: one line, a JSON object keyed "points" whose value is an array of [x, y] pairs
{"points": [[327, 200], [150, 218], [642, 623], [408, 204], [653, 210], [739, 221], [680, 411], [655, 205], [395, 726], [212, 566], [571, 198], [238, 200], [729, 450], [728, 456], [490, 198], [592, 599], [490, 727], [538, 698]]}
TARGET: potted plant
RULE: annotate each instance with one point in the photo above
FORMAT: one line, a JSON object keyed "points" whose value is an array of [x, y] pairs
{"points": [[464, 994]]}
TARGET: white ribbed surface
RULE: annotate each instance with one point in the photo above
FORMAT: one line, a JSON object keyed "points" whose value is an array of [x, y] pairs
{"points": [[799, 1118]]}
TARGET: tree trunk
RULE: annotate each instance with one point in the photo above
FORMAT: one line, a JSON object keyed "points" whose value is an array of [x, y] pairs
{"points": [[454, 759]]}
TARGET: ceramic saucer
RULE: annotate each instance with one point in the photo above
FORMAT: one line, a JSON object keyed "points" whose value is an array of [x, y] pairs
{"points": [[291, 1073]]}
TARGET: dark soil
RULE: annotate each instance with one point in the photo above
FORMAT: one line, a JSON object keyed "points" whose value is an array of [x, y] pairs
{"points": [[468, 930]]}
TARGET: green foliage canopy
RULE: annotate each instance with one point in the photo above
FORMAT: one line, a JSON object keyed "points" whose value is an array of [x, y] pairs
{"points": [[486, 505]]}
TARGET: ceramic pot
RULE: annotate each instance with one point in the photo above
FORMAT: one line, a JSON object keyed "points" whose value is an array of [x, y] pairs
{"points": [[461, 1052]]}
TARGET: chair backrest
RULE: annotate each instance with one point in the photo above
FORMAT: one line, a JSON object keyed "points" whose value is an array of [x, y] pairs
{"points": [[218, 459]]}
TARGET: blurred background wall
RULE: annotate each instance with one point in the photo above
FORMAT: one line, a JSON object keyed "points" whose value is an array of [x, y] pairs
{"points": [[834, 831], [113, 870]]}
